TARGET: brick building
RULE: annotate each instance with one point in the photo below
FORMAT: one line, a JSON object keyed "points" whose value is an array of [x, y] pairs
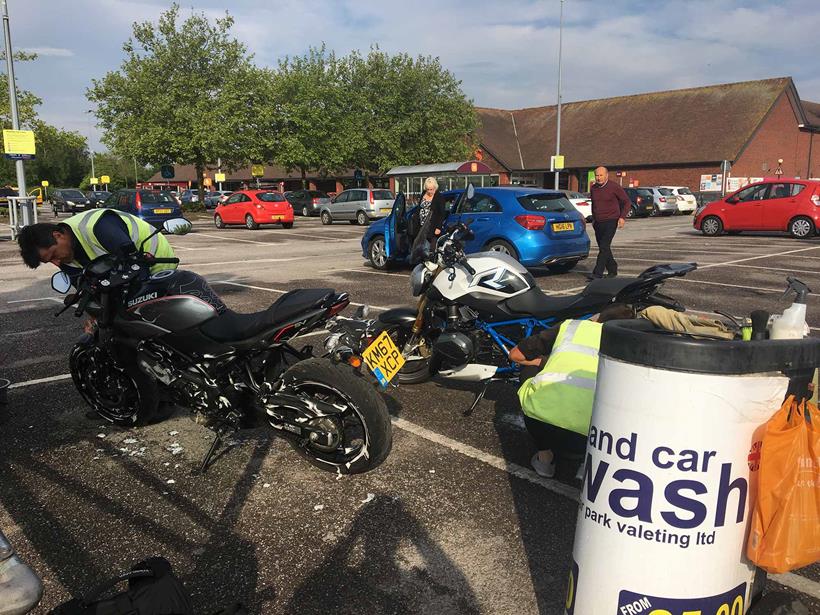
{"points": [[671, 137]]}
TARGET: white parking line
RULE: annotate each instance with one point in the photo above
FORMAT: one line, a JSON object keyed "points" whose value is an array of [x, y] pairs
{"points": [[394, 275], [244, 262], [815, 272], [261, 243], [327, 238], [795, 581], [753, 258], [765, 290], [37, 299], [19, 385]]}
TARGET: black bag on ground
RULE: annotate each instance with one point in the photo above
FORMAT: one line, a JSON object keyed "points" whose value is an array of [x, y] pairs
{"points": [[152, 590]]}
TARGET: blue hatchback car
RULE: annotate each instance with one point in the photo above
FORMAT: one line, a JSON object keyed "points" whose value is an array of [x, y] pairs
{"points": [[153, 206], [535, 226]]}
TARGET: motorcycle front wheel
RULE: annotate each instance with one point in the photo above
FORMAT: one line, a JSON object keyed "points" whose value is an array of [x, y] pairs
{"points": [[416, 368], [358, 436]]}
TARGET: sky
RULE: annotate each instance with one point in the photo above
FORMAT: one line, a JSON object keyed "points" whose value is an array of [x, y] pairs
{"points": [[505, 52]]}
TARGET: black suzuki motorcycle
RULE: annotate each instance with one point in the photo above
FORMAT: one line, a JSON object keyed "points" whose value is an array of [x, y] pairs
{"points": [[169, 340]]}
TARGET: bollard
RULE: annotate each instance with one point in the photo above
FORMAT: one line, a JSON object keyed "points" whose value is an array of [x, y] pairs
{"points": [[671, 461]]}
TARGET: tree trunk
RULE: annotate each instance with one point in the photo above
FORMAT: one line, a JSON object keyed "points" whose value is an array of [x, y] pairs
{"points": [[200, 178], [304, 181]]}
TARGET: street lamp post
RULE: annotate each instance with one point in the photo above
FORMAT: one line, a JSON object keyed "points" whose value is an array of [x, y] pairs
{"points": [[558, 130], [15, 120]]}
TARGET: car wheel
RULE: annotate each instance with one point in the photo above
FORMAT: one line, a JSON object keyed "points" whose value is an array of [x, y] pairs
{"points": [[630, 213], [305, 212], [362, 219], [503, 247], [251, 223], [218, 222], [801, 228], [287, 224], [327, 218], [377, 253], [711, 226]]}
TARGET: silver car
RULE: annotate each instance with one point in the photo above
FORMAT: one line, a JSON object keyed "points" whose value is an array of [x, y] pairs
{"points": [[358, 206], [665, 201]]}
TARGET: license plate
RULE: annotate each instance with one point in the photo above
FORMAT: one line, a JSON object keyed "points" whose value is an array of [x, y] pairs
{"points": [[383, 358], [563, 226], [162, 211], [386, 210], [276, 217]]}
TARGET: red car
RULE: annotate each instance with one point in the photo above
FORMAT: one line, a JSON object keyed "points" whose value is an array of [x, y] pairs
{"points": [[254, 208], [791, 205]]}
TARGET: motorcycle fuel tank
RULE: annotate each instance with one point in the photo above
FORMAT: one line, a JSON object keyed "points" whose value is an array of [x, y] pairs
{"points": [[174, 300], [497, 277]]}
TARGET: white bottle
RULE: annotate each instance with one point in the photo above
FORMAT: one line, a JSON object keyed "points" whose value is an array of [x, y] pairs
{"points": [[791, 324]]}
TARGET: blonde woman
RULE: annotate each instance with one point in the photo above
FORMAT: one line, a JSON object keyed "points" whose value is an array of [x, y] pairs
{"points": [[431, 218]]}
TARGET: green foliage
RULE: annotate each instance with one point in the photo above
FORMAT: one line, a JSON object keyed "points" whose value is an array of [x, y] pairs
{"points": [[407, 111], [119, 169], [62, 157], [26, 101], [186, 92]]}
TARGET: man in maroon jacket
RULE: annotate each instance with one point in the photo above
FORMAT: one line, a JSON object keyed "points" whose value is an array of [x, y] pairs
{"points": [[609, 208]]}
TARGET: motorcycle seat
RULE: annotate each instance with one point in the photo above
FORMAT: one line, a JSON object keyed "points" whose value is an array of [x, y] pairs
{"points": [[535, 303], [233, 326]]}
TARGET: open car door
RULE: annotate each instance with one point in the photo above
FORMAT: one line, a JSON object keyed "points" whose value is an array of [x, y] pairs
{"points": [[395, 230]]}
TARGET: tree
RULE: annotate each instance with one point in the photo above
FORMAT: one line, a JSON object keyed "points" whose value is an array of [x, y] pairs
{"points": [[26, 101], [406, 111], [62, 156], [120, 170], [309, 120], [186, 92]]}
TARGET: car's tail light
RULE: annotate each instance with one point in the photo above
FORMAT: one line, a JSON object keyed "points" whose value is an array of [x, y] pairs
{"points": [[662, 199], [315, 201], [138, 202], [371, 198], [531, 223], [815, 198], [638, 200]]}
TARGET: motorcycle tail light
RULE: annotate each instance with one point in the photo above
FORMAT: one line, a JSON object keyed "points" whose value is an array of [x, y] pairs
{"points": [[531, 223], [335, 309], [354, 361]]}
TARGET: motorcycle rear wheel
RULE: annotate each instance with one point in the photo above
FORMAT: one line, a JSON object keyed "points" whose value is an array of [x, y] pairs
{"points": [[360, 436]]}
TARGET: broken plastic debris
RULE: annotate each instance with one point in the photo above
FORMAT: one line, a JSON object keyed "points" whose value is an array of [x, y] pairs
{"points": [[173, 433], [167, 463], [100, 435], [130, 441], [266, 485], [319, 507], [369, 498], [170, 481], [175, 448], [432, 471]]}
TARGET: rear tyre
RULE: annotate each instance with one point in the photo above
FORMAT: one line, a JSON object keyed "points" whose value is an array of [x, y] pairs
{"points": [[377, 253], [326, 218], [305, 212], [251, 223], [362, 219], [801, 228], [711, 226], [218, 222], [356, 439], [503, 247], [630, 213], [287, 224]]}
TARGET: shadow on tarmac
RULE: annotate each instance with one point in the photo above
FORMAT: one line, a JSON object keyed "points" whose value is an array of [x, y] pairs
{"points": [[387, 563]]}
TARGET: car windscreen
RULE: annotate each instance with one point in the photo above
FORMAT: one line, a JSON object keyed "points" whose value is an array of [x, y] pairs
{"points": [[685, 191], [382, 195], [575, 195], [146, 196], [72, 194], [545, 202], [101, 194], [270, 197], [665, 191], [317, 194]]}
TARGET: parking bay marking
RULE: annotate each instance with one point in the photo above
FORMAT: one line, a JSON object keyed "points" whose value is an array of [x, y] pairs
{"points": [[791, 580]]}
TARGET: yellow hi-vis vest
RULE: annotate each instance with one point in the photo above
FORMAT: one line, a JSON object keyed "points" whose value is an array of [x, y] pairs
{"points": [[82, 225], [562, 393]]}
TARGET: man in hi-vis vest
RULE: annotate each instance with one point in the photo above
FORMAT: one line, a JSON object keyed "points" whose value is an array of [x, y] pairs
{"points": [[559, 375]]}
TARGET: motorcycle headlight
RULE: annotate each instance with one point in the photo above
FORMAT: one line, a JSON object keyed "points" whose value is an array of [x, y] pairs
{"points": [[418, 278]]}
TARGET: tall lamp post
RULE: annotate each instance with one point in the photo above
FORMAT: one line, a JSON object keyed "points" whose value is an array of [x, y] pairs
{"points": [[15, 120], [558, 130]]}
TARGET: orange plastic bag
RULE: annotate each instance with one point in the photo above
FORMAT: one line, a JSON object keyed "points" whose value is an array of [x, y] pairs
{"points": [[785, 523]]}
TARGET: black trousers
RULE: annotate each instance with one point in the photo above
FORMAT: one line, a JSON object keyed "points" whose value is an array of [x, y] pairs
{"points": [[560, 441], [604, 234]]}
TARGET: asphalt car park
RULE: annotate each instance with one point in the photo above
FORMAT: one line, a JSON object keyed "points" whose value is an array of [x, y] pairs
{"points": [[454, 521]]}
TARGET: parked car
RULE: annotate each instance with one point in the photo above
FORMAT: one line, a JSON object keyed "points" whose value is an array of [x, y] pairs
{"points": [[189, 196], [643, 203], [533, 225], [153, 206], [5, 193], [665, 203], [254, 208], [787, 205], [214, 198], [97, 197], [581, 203], [69, 200], [686, 203], [307, 202], [358, 206]]}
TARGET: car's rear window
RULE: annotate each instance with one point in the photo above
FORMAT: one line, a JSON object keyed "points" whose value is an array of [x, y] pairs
{"points": [[270, 197], [382, 195], [685, 191], [666, 191], [644, 192], [575, 195], [545, 202], [147, 196], [317, 194]]}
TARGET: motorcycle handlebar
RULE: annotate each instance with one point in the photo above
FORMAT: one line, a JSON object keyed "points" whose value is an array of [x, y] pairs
{"points": [[467, 267], [171, 261]]}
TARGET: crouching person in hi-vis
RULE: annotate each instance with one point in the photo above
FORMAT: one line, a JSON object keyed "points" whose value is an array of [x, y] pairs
{"points": [[559, 375]]}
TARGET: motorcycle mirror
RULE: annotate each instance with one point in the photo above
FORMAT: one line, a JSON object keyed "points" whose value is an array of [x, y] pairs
{"points": [[362, 312], [470, 191], [178, 226], [61, 282]]}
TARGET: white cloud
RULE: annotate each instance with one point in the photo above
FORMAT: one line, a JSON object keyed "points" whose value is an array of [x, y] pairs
{"points": [[58, 52]]}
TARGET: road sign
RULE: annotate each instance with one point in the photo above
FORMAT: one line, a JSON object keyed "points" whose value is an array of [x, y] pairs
{"points": [[220, 177], [19, 144], [94, 180], [257, 170], [556, 163], [44, 183], [167, 171], [105, 179], [207, 182], [357, 175]]}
